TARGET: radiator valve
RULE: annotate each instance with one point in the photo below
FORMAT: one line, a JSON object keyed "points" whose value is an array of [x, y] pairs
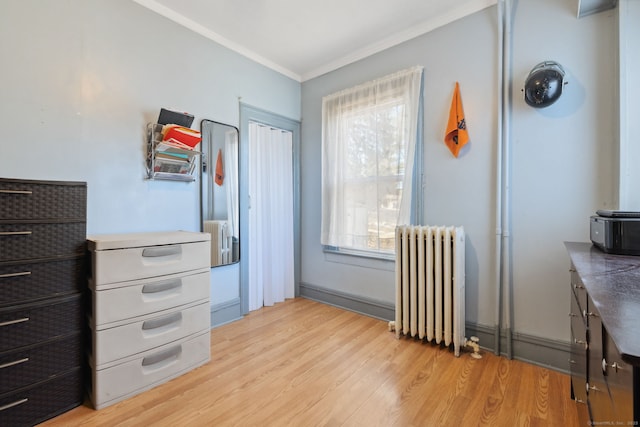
{"points": [[473, 343]]}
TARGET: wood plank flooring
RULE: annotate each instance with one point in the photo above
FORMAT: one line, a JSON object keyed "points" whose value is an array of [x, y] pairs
{"points": [[302, 363]]}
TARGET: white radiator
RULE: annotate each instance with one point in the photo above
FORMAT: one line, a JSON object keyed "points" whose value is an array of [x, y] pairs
{"points": [[221, 241], [430, 277]]}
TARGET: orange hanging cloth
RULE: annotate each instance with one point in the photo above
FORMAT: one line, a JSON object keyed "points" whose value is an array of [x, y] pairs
{"points": [[219, 178], [456, 136]]}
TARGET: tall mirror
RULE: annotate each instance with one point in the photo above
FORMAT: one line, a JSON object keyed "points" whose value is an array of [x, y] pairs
{"points": [[219, 189]]}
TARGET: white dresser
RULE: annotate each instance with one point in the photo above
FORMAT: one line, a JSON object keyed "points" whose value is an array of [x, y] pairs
{"points": [[150, 315]]}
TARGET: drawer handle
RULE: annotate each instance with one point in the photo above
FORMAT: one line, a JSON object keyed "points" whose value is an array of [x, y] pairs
{"points": [[580, 342], [15, 233], [22, 273], [16, 192], [614, 365], [13, 322], [163, 356], [161, 251], [11, 405], [575, 286], [163, 321], [15, 362], [153, 288]]}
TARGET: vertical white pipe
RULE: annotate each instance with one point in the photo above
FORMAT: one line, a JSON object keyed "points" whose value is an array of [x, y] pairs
{"points": [[498, 243], [506, 176]]}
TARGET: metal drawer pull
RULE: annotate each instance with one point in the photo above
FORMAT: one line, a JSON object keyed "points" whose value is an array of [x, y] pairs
{"points": [[22, 273], [15, 362], [161, 251], [14, 233], [577, 341], [614, 365], [11, 405], [153, 288], [171, 353], [16, 192], [575, 286], [164, 321], [13, 322]]}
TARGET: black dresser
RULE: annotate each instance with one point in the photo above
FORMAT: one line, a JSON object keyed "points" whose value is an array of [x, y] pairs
{"points": [[43, 275], [605, 343]]}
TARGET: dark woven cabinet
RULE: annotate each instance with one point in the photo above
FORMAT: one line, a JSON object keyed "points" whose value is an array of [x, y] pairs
{"points": [[43, 279]]}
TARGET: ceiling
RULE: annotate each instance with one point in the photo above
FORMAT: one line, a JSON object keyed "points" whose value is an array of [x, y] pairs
{"points": [[307, 38]]}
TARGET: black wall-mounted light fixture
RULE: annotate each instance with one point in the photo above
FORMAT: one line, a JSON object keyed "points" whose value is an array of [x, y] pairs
{"points": [[544, 84]]}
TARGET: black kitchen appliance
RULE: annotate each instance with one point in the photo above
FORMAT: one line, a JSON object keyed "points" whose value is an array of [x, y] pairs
{"points": [[616, 232]]}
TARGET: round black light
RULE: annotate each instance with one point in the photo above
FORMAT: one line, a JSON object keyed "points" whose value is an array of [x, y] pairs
{"points": [[544, 84]]}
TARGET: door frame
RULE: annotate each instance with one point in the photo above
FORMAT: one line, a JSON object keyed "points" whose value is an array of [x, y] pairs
{"points": [[248, 114]]}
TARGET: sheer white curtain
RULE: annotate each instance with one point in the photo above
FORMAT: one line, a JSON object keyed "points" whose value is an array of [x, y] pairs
{"points": [[382, 117], [271, 272], [231, 178]]}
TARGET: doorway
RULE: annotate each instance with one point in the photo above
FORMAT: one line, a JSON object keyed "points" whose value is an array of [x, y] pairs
{"points": [[269, 200], [270, 215]]}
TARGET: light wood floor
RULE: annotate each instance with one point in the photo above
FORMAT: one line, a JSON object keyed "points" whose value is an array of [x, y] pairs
{"points": [[302, 363]]}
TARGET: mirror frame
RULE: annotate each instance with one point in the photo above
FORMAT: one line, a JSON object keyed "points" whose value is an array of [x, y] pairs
{"points": [[207, 163]]}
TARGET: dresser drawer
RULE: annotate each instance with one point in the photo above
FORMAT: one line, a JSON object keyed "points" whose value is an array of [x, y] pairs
{"points": [[32, 405], [579, 291], [33, 323], [143, 371], [619, 375], [578, 359], [140, 297], [21, 282], [22, 199], [40, 362], [29, 240], [149, 332], [119, 265]]}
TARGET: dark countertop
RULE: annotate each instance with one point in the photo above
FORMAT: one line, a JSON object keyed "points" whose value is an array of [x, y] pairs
{"points": [[613, 283]]}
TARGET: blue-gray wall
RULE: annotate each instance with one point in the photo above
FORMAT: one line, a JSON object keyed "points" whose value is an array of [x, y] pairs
{"points": [[563, 164], [79, 81]]}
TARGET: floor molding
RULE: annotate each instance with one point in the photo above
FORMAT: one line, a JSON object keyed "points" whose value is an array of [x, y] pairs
{"points": [[369, 307], [225, 312]]}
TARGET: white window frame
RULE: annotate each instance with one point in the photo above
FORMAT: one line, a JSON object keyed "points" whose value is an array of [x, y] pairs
{"points": [[405, 87]]}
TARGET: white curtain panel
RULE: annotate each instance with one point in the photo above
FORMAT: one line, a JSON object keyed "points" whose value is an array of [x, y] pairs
{"points": [[398, 93], [271, 273]]}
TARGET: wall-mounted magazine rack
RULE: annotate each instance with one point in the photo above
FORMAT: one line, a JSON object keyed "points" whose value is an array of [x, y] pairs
{"points": [[169, 160]]}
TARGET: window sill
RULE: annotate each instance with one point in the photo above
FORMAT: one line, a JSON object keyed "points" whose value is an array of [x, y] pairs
{"points": [[361, 259]]}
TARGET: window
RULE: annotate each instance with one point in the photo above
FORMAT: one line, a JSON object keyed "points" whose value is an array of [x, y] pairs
{"points": [[369, 143]]}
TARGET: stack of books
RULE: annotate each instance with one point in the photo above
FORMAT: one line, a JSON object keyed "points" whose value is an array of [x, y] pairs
{"points": [[175, 144]]}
